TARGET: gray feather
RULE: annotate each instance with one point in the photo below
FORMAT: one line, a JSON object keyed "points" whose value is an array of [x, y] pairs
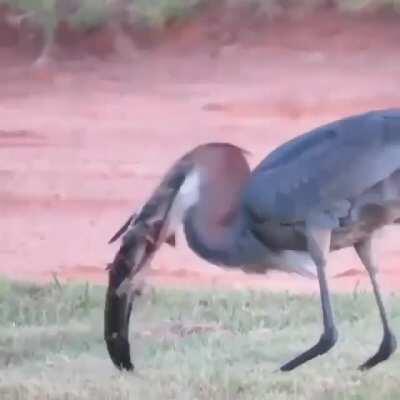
{"points": [[325, 168]]}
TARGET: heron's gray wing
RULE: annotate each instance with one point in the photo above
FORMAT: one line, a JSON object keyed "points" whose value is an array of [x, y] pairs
{"points": [[323, 169]]}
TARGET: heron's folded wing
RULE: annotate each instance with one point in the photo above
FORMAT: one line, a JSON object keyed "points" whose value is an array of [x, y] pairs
{"points": [[325, 168]]}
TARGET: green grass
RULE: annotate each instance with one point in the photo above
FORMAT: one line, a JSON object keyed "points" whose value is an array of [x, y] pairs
{"points": [[157, 14], [187, 345]]}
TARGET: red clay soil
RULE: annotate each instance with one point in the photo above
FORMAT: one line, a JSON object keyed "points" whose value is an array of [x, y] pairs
{"points": [[83, 143]]}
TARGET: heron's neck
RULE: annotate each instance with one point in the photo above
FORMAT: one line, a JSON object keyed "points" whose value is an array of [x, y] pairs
{"points": [[212, 241], [209, 203], [216, 227]]}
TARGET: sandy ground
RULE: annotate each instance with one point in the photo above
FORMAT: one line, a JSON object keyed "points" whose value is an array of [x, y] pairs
{"points": [[83, 144]]}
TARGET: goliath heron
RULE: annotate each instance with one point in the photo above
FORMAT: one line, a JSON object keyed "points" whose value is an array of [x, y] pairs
{"points": [[325, 190]]}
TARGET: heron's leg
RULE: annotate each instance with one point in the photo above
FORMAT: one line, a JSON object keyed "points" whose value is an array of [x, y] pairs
{"points": [[388, 344], [318, 241]]}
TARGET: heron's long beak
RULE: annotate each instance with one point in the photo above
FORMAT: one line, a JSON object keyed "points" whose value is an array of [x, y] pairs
{"points": [[121, 293], [142, 235], [116, 322], [139, 246]]}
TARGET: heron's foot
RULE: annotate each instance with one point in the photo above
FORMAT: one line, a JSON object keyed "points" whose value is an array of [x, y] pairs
{"points": [[325, 343], [386, 349]]}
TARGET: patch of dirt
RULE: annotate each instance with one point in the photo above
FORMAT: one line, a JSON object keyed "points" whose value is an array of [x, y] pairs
{"points": [[21, 138], [8, 34], [215, 30], [83, 144]]}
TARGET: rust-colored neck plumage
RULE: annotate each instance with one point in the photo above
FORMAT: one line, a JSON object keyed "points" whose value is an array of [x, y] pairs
{"points": [[213, 224]]}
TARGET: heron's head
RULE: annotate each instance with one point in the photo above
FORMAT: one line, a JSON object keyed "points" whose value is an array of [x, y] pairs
{"points": [[135, 252], [138, 246], [209, 178]]}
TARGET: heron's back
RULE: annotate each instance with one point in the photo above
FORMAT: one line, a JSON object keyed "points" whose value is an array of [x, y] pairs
{"points": [[322, 169]]}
